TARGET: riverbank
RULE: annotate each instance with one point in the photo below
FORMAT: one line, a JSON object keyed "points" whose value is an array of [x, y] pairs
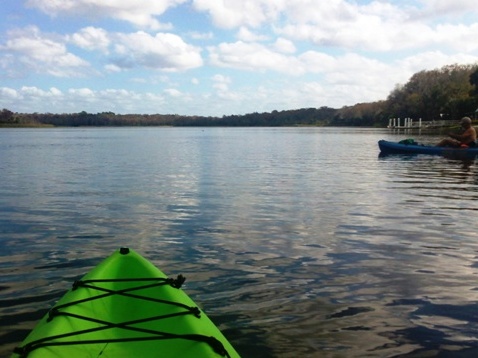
{"points": [[25, 125]]}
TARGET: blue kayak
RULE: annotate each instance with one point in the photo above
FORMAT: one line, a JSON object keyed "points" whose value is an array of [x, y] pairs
{"points": [[387, 147]]}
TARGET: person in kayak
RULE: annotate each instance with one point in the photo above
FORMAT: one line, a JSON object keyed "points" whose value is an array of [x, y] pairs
{"points": [[467, 138]]}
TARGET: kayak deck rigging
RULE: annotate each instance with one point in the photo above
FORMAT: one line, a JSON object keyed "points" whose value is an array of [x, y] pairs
{"points": [[71, 310]]}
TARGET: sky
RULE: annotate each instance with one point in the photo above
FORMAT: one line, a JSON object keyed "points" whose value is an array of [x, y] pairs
{"points": [[222, 57]]}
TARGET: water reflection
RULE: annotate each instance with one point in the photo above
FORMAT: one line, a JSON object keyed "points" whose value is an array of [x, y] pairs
{"points": [[292, 244]]}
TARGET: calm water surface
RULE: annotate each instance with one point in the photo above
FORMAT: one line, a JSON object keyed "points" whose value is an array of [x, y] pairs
{"points": [[298, 242]]}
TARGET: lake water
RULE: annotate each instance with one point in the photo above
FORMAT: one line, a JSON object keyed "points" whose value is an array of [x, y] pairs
{"points": [[297, 242]]}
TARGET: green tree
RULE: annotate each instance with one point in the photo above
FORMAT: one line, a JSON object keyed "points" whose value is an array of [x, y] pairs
{"points": [[433, 94], [7, 116], [474, 82]]}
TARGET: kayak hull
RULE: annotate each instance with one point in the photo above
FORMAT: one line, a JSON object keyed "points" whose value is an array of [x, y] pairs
{"points": [[125, 307], [387, 147]]}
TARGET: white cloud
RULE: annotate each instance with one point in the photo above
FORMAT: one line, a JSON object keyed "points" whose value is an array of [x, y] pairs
{"points": [[253, 57], [284, 46], [8, 93], [446, 7], [328, 13], [141, 13], [230, 14], [112, 68], [29, 98], [317, 62], [32, 91], [11, 67], [246, 35], [41, 53], [272, 54], [172, 92], [34, 99], [222, 86], [257, 57], [221, 82], [354, 69], [91, 38], [201, 35], [55, 92], [82, 92], [375, 26], [164, 51], [432, 60], [458, 37]]}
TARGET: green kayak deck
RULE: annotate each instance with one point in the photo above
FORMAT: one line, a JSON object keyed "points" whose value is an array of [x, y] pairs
{"points": [[125, 307]]}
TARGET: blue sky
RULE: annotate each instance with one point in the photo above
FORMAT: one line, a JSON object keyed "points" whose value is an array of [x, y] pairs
{"points": [[222, 57]]}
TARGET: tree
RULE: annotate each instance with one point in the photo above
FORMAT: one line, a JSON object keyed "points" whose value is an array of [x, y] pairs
{"points": [[7, 116], [474, 82], [436, 93]]}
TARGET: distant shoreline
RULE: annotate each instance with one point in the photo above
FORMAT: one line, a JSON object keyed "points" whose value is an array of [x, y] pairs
{"points": [[25, 125]]}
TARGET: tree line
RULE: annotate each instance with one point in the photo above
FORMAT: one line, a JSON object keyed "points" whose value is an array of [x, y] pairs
{"points": [[449, 92]]}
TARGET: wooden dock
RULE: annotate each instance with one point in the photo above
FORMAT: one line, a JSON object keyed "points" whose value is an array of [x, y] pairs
{"points": [[409, 123]]}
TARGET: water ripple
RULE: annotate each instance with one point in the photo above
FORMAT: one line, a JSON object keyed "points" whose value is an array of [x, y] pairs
{"points": [[294, 243]]}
